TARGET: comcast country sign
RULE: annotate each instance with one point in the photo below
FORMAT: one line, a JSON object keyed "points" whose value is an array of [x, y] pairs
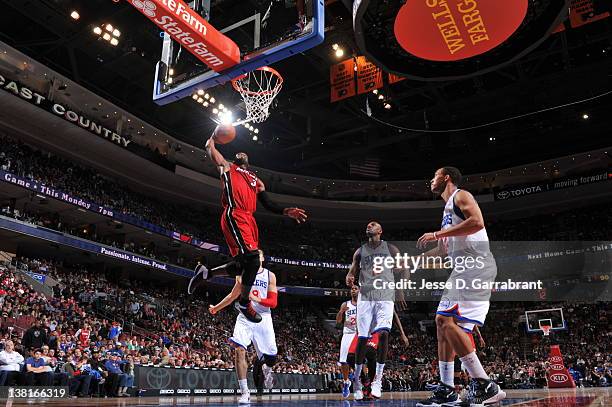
{"points": [[190, 30]]}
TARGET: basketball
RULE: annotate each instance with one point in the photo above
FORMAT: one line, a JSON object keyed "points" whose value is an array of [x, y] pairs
{"points": [[224, 134]]}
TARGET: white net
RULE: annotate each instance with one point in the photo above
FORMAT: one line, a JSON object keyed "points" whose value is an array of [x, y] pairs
{"points": [[258, 89]]}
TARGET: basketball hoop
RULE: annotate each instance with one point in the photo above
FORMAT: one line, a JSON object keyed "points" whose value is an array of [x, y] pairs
{"points": [[258, 89], [546, 329]]}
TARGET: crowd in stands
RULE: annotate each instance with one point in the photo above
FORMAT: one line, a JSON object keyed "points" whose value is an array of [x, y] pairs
{"points": [[72, 339], [94, 330], [310, 242]]}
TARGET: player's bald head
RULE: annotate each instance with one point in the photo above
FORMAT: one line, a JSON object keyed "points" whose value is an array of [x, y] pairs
{"points": [[373, 228], [242, 159]]}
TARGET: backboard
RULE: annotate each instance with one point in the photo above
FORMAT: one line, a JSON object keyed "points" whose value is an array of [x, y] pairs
{"points": [[552, 317], [266, 31]]}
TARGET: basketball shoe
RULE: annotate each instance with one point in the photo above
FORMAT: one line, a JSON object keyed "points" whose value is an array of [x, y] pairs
{"points": [[442, 394], [480, 393]]}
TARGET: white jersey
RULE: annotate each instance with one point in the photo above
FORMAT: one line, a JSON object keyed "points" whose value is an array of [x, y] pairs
{"points": [[260, 289], [474, 244], [350, 318]]}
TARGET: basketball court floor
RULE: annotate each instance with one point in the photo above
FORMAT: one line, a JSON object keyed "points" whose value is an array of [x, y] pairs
{"points": [[592, 397]]}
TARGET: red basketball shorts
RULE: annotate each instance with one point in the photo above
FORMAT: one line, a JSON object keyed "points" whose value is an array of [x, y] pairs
{"points": [[240, 231]]}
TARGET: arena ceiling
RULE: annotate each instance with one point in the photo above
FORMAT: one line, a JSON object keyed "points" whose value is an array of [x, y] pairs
{"points": [[307, 134]]}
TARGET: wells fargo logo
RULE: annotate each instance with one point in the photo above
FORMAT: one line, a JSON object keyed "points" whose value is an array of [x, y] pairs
{"points": [[451, 30]]}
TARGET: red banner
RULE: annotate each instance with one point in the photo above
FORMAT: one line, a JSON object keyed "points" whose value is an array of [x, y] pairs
{"points": [[369, 76], [583, 12], [443, 30], [190, 30], [395, 78], [557, 374], [342, 80]]}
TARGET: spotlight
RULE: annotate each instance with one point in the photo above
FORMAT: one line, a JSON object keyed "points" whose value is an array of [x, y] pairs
{"points": [[194, 97], [212, 100], [339, 52], [116, 33], [375, 91], [75, 15], [215, 110], [201, 92], [109, 28], [106, 36], [254, 138], [256, 131], [381, 97], [585, 116], [226, 117], [387, 106], [97, 31], [206, 96], [114, 41], [205, 104], [335, 47], [245, 125], [200, 100], [221, 106]]}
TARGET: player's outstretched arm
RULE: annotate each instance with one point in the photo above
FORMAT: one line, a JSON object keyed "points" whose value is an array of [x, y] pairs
{"points": [[294, 213], [354, 269], [230, 298], [216, 156]]}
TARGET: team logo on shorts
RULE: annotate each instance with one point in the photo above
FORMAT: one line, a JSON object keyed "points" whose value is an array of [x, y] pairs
{"points": [[146, 6]]}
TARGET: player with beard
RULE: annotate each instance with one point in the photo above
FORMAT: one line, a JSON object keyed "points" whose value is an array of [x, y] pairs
{"points": [[374, 306], [241, 191], [462, 236]]}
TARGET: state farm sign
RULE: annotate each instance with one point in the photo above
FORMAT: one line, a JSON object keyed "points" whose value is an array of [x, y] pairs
{"points": [[190, 30]]}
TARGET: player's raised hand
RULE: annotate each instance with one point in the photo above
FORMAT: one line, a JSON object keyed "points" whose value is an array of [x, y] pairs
{"points": [[212, 309], [350, 279], [344, 307], [296, 213]]}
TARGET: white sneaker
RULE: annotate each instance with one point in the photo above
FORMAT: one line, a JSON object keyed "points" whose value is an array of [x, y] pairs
{"points": [[377, 388], [245, 398], [358, 394], [268, 378]]}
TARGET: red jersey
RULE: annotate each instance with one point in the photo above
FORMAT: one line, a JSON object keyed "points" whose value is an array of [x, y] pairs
{"points": [[239, 189], [84, 337]]}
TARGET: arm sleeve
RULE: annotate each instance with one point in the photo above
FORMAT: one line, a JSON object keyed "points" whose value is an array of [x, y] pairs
{"points": [[268, 204], [271, 301]]}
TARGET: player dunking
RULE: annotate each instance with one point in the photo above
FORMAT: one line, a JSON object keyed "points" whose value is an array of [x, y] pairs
{"points": [[462, 235], [374, 306], [263, 294], [241, 190], [348, 316]]}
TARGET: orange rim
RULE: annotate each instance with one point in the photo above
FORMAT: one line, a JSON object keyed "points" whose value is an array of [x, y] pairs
{"points": [[279, 82]]}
